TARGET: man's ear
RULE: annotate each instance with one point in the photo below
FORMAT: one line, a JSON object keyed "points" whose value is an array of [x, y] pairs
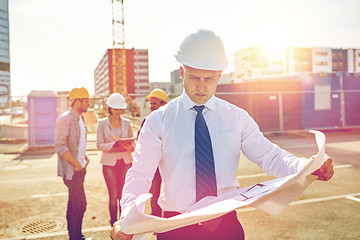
{"points": [[182, 72]]}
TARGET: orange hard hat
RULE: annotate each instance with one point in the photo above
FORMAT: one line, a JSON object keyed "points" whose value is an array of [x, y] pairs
{"points": [[78, 93], [157, 93]]}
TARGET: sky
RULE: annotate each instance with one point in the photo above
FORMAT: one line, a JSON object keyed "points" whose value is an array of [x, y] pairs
{"points": [[56, 45]]}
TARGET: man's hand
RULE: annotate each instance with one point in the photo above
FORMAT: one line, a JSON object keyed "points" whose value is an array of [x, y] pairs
{"points": [[326, 171], [117, 234], [87, 160], [71, 159], [78, 167]]}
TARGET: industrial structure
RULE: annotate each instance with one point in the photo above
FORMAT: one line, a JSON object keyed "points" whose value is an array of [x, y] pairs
{"points": [[4, 55], [136, 73], [118, 80], [258, 61], [122, 70], [298, 101]]}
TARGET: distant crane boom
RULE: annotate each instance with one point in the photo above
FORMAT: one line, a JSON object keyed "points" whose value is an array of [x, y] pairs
{"points": [[119, 51], [119, 54]]}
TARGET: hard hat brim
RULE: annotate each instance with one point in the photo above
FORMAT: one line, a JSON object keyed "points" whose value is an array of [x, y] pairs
{"points": [[201, 65], [117, 107]]}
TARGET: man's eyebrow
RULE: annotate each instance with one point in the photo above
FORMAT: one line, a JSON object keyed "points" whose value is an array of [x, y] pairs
{"points": [[191, 75]]}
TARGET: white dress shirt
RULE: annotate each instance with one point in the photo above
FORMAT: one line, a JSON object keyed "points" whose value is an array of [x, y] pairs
{"points": [[167, 140]]}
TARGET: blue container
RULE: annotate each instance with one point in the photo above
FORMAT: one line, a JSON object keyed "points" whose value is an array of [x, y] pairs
{"points": [[321, 100], [42, 114], [351, 86]]}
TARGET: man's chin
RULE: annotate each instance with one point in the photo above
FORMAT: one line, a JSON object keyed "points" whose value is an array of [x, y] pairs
{"points": [[201, 99]]}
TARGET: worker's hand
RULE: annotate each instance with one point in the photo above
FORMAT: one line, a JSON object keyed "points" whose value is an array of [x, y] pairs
{"points": [[87, 160], [326, 171], [129, 147], [117, 234], [78, 167]]}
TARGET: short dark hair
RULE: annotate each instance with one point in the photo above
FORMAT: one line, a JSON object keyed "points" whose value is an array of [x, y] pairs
{"points": [[109, 110]]}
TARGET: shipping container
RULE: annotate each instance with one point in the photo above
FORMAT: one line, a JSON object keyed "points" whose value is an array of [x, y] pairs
{"points": [[42, 114], [351, 86], [321, 100]]}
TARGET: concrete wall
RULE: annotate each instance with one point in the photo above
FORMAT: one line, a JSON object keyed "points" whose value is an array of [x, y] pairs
{"points": [[13, 132]]}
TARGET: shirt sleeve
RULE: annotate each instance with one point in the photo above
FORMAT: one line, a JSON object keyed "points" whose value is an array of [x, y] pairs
{"points": [[130, 130], [61, 135], [139, 176], [271, 158]]}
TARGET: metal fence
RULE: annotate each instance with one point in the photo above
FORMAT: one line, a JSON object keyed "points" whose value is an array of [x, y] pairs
{"points": [[276, 111], [297, 110]]}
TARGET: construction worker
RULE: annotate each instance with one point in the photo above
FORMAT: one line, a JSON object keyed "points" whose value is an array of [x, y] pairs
{"points": [[196, 140], [70, 145], [115, 164], [157, 99]]}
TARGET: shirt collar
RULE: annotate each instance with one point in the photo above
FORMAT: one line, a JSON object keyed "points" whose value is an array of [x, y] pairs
{"points": [[188, 103], [74, 114]]}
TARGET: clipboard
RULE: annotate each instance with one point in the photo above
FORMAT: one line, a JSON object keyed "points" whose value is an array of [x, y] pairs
{"points": [[119, 145]]}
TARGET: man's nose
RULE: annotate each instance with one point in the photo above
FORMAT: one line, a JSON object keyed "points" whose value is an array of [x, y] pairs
{"points": [[201, 85]]}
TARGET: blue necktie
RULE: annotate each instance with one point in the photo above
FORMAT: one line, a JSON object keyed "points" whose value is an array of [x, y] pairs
{"points": [[204, 158]]}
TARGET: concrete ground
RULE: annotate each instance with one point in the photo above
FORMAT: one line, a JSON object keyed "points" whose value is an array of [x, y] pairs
{"points": [[33, 199]]}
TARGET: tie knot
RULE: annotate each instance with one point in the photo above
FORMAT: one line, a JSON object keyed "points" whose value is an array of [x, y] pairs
{"points": [[199, 109]]}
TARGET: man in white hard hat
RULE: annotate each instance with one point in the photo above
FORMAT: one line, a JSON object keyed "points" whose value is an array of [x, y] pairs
{"points": [[196, 140]]}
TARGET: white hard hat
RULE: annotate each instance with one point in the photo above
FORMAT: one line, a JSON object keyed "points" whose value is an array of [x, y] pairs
{"points": [[117, 101], [203, 50]]}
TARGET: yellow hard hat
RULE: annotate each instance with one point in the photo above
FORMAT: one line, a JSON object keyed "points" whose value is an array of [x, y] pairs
{"points": [[157, 93], [78, 93]]}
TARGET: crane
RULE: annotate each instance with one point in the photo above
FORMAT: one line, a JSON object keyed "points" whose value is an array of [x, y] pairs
{"points": [[119, 51], [119, 54]]}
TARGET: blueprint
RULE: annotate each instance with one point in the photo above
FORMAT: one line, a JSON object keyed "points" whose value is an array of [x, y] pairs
{"points": [[270, 196]]}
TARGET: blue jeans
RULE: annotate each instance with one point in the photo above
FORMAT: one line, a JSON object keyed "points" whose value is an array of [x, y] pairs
{"points": [[76, 205], [115, 179]]}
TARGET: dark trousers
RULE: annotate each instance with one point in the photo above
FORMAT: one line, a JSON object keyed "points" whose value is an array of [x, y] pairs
{"points": [[115, 179], [76, 205], [229, 228], [155, 191]]}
